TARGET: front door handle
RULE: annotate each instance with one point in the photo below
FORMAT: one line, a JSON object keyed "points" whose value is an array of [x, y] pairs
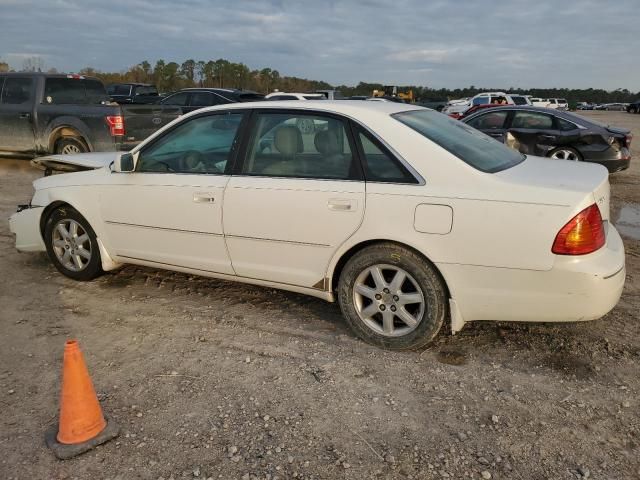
{"points": [[25, 115], [548, 137], [339, 205], [204, 197]]}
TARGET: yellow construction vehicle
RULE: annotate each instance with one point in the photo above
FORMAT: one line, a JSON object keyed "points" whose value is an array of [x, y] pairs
{"points": [[392, 91]]}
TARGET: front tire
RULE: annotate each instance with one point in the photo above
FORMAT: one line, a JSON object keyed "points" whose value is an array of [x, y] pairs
{"points": [[392, 297], [72, 244]]}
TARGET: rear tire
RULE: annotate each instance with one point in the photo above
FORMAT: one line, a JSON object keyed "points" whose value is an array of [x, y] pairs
{"points": [[70, 146], [72, 244], [392, 297], [565, 153]]}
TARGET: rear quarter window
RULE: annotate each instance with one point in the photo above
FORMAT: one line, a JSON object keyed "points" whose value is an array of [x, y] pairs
{"points": [[468, 144]]}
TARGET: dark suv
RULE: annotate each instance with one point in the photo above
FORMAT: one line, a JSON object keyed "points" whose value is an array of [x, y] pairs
{"points": [[190, 99]]}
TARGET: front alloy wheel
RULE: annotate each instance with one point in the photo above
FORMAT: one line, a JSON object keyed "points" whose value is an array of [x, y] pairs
{"points": [[72, 244]]}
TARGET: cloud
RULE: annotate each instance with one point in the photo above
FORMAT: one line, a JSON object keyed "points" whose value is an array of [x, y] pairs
{"points": [[576, 43], [420, 55]]}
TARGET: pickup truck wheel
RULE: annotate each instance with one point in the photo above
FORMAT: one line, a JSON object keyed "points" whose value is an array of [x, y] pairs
{"points": [[72, 245], [70, 145], [391, 297]]}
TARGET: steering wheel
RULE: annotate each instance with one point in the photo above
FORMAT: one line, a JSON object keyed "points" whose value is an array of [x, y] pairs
{"points": [[194, 161]]}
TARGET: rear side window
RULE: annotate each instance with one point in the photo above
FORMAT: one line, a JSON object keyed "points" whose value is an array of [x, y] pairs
{"points": [[468, 144], [565, 125], [380, 166], [300, 145], [205, 99], [73, 91], [532, 121], [519, 100], [16, 90]]}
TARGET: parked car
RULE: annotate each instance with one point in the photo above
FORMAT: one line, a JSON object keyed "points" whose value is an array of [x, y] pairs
{"points": [[619, 107], [634, 107], [520, 99], [190, 99], [458, 110], [44, 113], [295, 96], [133, 93], [560, 135], [539, 102], [555, 103], [584, 106], [409, 219]]}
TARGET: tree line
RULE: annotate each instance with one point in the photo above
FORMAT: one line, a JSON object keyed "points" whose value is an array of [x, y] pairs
{"points": [[172, 76]]}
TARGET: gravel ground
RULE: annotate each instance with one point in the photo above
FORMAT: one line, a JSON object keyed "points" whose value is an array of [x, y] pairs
{"points": [[210, 379]]}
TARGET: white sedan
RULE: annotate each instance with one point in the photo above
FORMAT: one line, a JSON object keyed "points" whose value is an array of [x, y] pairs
{"points": [[407, 218]]}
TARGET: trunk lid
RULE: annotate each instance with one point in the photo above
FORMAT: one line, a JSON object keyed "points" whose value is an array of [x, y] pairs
{"points": [[559, 182]]}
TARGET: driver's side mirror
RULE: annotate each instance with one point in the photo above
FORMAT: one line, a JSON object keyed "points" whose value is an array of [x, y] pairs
{"points": [[125, 163]]}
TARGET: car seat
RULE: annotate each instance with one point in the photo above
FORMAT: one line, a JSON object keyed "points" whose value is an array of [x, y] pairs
{"points": [[288, 142]]}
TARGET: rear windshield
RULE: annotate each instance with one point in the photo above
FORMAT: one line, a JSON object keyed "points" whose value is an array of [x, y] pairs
{"points": [[147, 90], [468, 144], [119, 90], [74, 91]]}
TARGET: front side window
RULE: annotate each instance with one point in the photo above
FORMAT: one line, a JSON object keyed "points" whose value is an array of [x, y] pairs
{"points": [[179, 99], [489, 121], [532, 121], [16, 90], [199, 145], [379, 165], [468, 144], [299, 145]]}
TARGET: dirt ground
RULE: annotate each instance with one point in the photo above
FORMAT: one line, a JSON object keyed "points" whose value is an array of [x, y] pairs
{"points": [[210, 379]]}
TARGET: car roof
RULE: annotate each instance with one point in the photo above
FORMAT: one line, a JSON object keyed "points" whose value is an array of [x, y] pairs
{"points": [[530, 108], [355, 108], [212, 89]]}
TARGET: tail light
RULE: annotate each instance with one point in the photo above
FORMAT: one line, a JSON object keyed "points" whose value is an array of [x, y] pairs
{"points": [[116, 124], [583, 234], [627, 140]]}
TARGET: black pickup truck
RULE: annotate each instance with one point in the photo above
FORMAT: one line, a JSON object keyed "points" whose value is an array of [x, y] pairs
{"points": [[44, 113], [133, 93]]}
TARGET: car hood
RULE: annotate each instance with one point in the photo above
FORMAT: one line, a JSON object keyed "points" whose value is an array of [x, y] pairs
{"points": [[76, 162]]}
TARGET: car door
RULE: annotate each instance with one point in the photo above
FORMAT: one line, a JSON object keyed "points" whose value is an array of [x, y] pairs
{"points": [[295, 196], [16, 114], [169, 210], [531, 132], [492, 123]]}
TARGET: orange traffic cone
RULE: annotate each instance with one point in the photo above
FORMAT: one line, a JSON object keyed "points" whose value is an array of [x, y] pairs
{"points": [[82, 425]]}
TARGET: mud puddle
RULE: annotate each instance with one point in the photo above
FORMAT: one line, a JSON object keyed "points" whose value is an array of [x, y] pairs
{"points": [[628, 220]]}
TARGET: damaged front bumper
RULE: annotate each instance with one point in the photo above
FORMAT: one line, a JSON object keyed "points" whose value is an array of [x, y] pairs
{"points": [[25, 224]]}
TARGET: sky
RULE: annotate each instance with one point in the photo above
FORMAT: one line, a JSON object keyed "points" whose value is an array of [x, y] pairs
{"points": [[455, 43]]}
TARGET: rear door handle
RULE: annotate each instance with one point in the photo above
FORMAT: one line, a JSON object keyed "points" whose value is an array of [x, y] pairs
{"points": [[548, 137], [340, 205], [204, 197], [25, 115]]}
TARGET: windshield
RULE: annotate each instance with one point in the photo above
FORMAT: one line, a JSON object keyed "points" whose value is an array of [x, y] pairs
{"points": [[468, 144]]}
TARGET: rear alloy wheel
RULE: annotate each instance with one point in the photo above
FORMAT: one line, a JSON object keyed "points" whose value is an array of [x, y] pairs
{"points": [[72, 244], [70, 146], [392, 298], [565, 153]]}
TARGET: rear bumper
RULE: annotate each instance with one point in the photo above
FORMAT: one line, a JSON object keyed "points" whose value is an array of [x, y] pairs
{"points": [[614, 165], [577, 288], [26, 227]]}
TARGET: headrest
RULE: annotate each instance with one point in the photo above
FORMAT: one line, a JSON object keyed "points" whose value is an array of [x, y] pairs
{"points": [[288, 140], [326, 143]]}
